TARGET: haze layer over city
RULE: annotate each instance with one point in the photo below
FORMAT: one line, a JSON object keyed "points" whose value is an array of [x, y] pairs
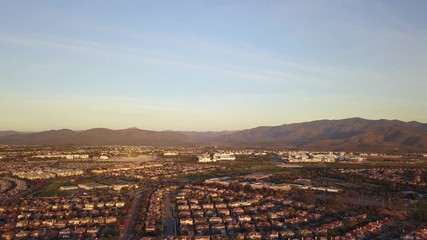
{"points": [[205, 120]]}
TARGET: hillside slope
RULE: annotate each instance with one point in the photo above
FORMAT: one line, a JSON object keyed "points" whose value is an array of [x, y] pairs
{"points": [[352, 133], [99, 136], [347, 134]]}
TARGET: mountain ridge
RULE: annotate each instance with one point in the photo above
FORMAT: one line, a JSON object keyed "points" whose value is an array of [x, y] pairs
{"points": [[343, 134]]}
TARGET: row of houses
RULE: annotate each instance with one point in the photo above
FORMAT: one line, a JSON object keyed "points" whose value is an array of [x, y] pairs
{"points": [[66, 233], [41, 216], [303, 184], [155, 170], [154, 214], [203, 210], [11, 187], [48, 173], [396, 175]]}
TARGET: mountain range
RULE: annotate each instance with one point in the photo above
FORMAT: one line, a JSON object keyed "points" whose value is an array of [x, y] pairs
{"points": [[355, 134]]}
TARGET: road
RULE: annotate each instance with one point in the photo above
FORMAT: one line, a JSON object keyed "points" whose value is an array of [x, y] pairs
{"points": [[129, 222], [169, 221]]}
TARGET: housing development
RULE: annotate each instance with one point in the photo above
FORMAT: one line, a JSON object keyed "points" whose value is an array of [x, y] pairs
{"points": [[213, 120], [112, 192]]}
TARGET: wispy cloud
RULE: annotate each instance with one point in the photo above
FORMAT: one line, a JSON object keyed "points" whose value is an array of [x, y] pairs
{"points": [[253, 73]]}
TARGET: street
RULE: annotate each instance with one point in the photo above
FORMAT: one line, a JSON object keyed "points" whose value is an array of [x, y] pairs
{"points": [[169, 221], [129, 222]]}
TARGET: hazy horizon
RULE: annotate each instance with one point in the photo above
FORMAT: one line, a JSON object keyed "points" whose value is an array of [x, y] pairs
{"points": [[190, 130], [209, 65]]}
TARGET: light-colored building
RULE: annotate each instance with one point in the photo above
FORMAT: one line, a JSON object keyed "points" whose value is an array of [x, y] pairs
{"points": [[170, 153], [119, 186], [68, 188], [92, 185], [204, 158], [224, 157], [357, 159], [34, 175], [282, 187], [67, 172]]}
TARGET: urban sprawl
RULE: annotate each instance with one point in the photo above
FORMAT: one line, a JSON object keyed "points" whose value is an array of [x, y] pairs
{"points": [[125, 192]]}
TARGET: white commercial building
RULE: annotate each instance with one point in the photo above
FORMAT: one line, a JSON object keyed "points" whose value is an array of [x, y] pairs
{"points": [[170, 153], [224, 157], [204, 158]]}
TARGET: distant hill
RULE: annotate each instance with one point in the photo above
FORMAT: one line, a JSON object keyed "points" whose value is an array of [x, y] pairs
{"points": [[5, 133], [354, 134], [99, 136], [207, 137], [346, 134]]}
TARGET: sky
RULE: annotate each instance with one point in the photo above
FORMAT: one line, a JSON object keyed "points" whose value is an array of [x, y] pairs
{"points": [[209, 65]]}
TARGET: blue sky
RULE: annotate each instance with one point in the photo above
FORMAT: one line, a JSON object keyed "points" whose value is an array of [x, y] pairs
{"points": [[209, 65]]}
